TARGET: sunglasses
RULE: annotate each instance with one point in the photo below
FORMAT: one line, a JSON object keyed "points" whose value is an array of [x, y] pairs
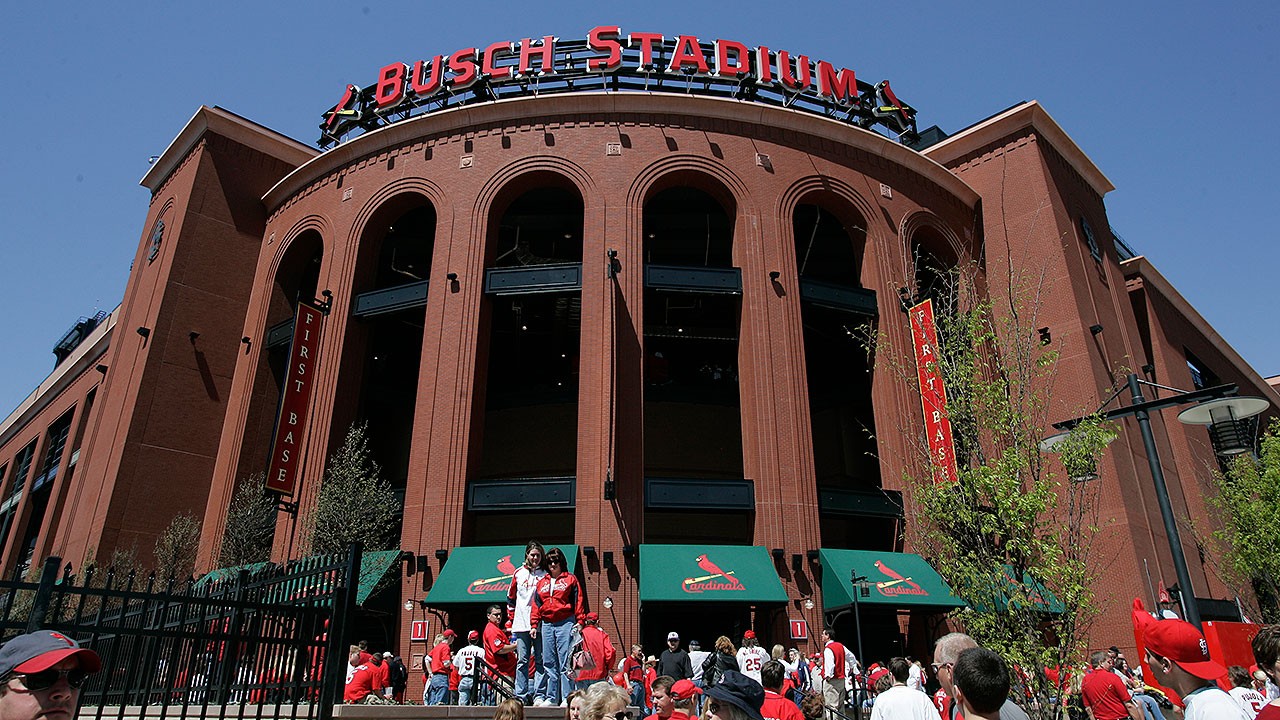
{"points": [[46, 679], [555, 561], [714, 707], [939, 666], [621, 715]]}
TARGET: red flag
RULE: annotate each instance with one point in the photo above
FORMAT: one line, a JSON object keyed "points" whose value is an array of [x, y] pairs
{"points": [[1142, 618]]}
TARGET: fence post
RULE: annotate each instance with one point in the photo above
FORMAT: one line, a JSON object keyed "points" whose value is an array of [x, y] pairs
{"points": [[344, 602], [44, 593]]}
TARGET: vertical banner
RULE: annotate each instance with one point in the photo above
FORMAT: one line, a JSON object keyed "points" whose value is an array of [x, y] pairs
{"points": [[933, 394], [282, 473]]}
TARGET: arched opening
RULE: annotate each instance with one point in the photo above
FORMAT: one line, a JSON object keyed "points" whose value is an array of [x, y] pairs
{"points": [[396, 254], [934, 264], [839, 318], [525, 457], [692, 405], [297, 276]]}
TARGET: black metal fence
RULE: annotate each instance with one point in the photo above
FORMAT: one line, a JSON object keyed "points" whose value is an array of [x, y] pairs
{"points": [[257, 645]]}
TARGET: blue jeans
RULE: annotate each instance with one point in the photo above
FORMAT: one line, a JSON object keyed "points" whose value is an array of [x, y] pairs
{"points": [[464, 690], [637, 695], [556, 639], [527, 647], [1150, 707], [439, 689]]}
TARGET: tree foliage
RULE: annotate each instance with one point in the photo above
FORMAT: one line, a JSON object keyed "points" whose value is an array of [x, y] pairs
{"points": [[177, 547], [1249, 500], [1011, 527], [251, 524], [354, 502]]}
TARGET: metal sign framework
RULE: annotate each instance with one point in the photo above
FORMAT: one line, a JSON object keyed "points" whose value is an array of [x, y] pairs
{"points": [[875, 106]]}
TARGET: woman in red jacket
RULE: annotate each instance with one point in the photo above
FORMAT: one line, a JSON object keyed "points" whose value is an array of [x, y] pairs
{"points": [[557, 614]]}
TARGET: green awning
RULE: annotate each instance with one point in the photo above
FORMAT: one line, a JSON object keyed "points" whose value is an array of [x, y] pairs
{"points": [[1008, 591], [229, 573], [898, 579], [482, 574], [373, 566], [700, 573]]}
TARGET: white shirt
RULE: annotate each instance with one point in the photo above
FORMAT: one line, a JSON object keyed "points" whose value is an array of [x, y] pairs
{"points": [[525, 581], [465, 659], [750, 660], [696, 659], [1212, 704], [1247, 698], [902, 703], [914, 679]]}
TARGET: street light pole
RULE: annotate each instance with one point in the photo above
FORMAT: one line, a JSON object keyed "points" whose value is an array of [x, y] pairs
{"points": [[857, 581], [1190, 607]]}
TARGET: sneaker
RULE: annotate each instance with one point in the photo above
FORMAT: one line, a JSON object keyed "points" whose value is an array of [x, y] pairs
{"points": [[564, 704], [542, 702]]}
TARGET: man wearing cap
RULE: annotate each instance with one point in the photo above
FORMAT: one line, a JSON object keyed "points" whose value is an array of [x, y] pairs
{"points": [[683, 695], [464, 661], [751, 657], [41, 674], [734, 697], [674, 661], [776, 705], [1179, 659], [441, 659], [595, 642]]}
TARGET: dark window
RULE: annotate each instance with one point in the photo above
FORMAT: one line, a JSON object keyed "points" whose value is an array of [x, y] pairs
{"points": [[22, 466], [157, 236], [58, 432], [1086, 231], [1201, 376]]}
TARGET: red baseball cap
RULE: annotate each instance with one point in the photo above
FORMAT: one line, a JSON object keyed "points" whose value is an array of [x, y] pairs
{"points": [[684, 690], [450, 633], [592, 617], [473, 635], [749, 634], [1182, 643], [41, 650]]}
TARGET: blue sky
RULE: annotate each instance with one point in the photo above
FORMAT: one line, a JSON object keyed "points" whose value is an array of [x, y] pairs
{"points": [[1170, 100]]}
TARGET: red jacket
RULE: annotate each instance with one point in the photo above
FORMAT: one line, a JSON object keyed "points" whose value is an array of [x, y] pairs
{"points": [[596, 642], [555, 599]]}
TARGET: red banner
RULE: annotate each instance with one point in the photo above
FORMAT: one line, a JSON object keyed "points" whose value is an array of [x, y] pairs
{"points": [[933, 394], [282, 474]]}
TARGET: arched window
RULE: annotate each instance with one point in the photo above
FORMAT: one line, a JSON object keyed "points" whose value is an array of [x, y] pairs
{"points": [[530, 345]]}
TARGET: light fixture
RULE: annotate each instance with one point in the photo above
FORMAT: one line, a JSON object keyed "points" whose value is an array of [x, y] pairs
{"points": [[144, 331], [808, 603], [774, 275], [608, 603], [797, 562], [442, 555], [451, 277], [192, 336], [812, 555], [1095, 329], [778, 554], [607, 559], [408, 604], [628, 551], [1232, 422], [589, 551]]}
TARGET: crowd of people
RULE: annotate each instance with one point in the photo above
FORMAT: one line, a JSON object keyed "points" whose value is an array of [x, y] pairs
{"points": [[41, 674]]}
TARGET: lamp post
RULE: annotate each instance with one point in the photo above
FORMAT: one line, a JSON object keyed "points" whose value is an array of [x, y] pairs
{"points": [[1220, 409], [859, 583]]}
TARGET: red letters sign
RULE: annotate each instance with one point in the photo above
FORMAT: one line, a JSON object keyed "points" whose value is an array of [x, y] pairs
{"points": [[799, 630], [282, 473], [933, 395]]}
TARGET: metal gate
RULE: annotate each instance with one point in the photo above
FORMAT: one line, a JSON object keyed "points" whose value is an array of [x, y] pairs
{"points": [[265, 644]]}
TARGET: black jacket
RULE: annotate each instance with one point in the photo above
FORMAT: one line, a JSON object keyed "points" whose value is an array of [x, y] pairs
{"points": [[715, 666], [674, 663]]}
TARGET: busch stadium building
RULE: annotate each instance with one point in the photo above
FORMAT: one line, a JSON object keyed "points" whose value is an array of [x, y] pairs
{"points": [[601, 293]]}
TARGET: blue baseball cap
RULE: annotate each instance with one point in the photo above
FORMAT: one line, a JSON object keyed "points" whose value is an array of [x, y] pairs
{"points": [[43, 649]]}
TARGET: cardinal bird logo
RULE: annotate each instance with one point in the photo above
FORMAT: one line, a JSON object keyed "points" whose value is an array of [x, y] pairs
{"points": [[497, 583], [347, 109], [715, 579], [897, 585]]}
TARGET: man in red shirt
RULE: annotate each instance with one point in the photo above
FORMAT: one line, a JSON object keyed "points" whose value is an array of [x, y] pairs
{"points": [[682, 695], [381, 675], [499, 651], [1103, 693], [441, 661], [776, 705], [595, 642]]}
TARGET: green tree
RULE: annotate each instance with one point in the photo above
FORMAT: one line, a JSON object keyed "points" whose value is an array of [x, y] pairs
{"points": [[177, 546], [354, 502], [251, 524], [1248, 498], [1012, 526]]}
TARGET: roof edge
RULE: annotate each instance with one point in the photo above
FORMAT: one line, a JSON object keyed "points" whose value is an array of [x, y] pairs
{"points": [[1028, 114], [371, 143], [231, 126], [1149, 274]]}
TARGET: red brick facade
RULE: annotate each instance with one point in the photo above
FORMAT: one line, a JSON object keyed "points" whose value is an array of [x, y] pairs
{"points": [[186, 409]]}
